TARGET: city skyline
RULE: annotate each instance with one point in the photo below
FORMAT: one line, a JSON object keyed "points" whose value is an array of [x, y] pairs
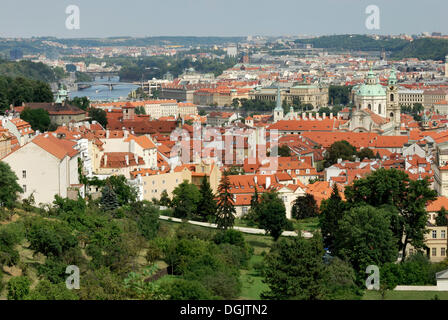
{"points": [[198, 18]]}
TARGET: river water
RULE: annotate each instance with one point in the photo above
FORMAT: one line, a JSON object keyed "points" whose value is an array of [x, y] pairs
{"points": [[99, 92]]}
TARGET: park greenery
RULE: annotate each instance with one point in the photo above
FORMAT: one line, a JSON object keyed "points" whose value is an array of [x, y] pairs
{"points": [[124, 251]]}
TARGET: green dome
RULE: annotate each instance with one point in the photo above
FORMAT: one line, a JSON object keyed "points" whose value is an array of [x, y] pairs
{"points": [[367, 90]]}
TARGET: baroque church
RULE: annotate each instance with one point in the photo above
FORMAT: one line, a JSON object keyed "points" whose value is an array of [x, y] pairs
{"points": [[377, 108]]}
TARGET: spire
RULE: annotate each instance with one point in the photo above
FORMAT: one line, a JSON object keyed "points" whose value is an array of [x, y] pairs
{"points": [[392, 77]]}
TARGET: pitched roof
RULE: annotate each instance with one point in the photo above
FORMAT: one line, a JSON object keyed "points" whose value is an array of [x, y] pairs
{"points": [[60, 148]]}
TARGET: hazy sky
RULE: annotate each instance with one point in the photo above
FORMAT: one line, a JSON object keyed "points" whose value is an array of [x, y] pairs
{"points": [[103, 18]]}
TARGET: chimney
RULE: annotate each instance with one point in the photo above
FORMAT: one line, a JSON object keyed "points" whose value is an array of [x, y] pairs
{"points": [[339, 160], [303, 115], [324, 115], [127, 159], [331, 115], [107, 134], [255, 180], [105, 160], [268, 182]]}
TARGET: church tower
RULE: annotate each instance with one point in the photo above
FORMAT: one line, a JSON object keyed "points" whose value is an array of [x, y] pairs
{"points": [[393, 107], [278, 111]]}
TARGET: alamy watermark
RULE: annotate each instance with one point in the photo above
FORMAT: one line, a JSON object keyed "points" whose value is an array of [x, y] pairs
{"points": [[373, 19], [73, 21], [373, 280], [72, 281]]}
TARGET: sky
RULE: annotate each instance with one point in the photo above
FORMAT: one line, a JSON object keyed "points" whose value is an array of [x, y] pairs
{"points": [[139, 18]]}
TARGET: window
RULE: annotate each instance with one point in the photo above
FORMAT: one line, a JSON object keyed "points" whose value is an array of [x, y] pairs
{"points": [[24, 188], [244, 210], [434, 252], [24, 174], [434, 234], [442, 252], [442, 234]]}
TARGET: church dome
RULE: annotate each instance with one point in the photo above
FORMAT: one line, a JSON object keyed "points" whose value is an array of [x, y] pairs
{"points": [[371, 87]]}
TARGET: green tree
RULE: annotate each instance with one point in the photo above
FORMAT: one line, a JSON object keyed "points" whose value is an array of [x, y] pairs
{"points": [[365, 153], [294, 269], [186, 197], [271, 214], [99, 116], [39, 119], [182, 289], [165, 199], [126, 194], [18, 288], [81, 102], [147, 216], [9, 188], [45, 290], [441, 219], [331, 212], [304, 207], [340, 281], [109, 198], [207, 206], [339, 150], [225, 215], [394, 188], [365, 238]]}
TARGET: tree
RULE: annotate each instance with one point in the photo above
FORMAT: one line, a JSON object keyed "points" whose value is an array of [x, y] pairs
{"points": [[365, 153], [165, 199], [284, 151], [271, 215], [126, 194], [294, 269], [140, 110], [441, 219], [225, 215], [39, 119], [147, 217], [109, 198], [186, 197], [18, 288], [9, 188], [340, 281], [181, 289], [331, 212], [81, 102], [45, 290], [207, 205], [339, 150], [99, 116], [365, 238], [394, 188], [304, 207]]}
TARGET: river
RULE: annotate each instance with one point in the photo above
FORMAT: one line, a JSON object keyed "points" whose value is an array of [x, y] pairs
{"points": [[99, 92]]}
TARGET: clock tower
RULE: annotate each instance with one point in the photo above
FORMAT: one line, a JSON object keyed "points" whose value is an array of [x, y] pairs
{"points": [[393, 111]]}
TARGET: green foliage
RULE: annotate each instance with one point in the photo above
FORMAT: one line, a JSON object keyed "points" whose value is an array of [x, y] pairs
{"points": [[53, 269], [141, 289], [50, 237], [140, 110], [45, 290], [18, 288], [126, 194], [147, 217], [295, 270], [271, 215], [206, 209], [225, 215], [10, 235], [339, 95], [394, 188], [109, 199], [340, 281], [39, 119], [164, 199], [441, 219], [9, 188], [181, 289], [81, 102], [186, 197], [365, 153], [102, 284], [331, 212], [304, 207], [31, 70], [365, 238], [99, 116], [19, 90], [339, 150]]}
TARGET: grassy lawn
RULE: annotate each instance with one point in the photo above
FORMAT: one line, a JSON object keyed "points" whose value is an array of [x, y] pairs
{"points": [[406, 295], [252, 285], [308, 224]]}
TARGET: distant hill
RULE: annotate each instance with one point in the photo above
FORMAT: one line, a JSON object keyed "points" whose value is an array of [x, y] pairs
{"points": [[424, 48], [30, 70]]}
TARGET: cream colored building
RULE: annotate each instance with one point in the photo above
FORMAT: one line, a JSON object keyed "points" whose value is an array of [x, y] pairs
{"points": [[436, 242], [410, 97], [45, 167]]}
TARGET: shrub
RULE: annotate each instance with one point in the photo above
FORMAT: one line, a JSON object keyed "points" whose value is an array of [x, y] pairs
{"points": [[181, 289], [18, 288]]}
